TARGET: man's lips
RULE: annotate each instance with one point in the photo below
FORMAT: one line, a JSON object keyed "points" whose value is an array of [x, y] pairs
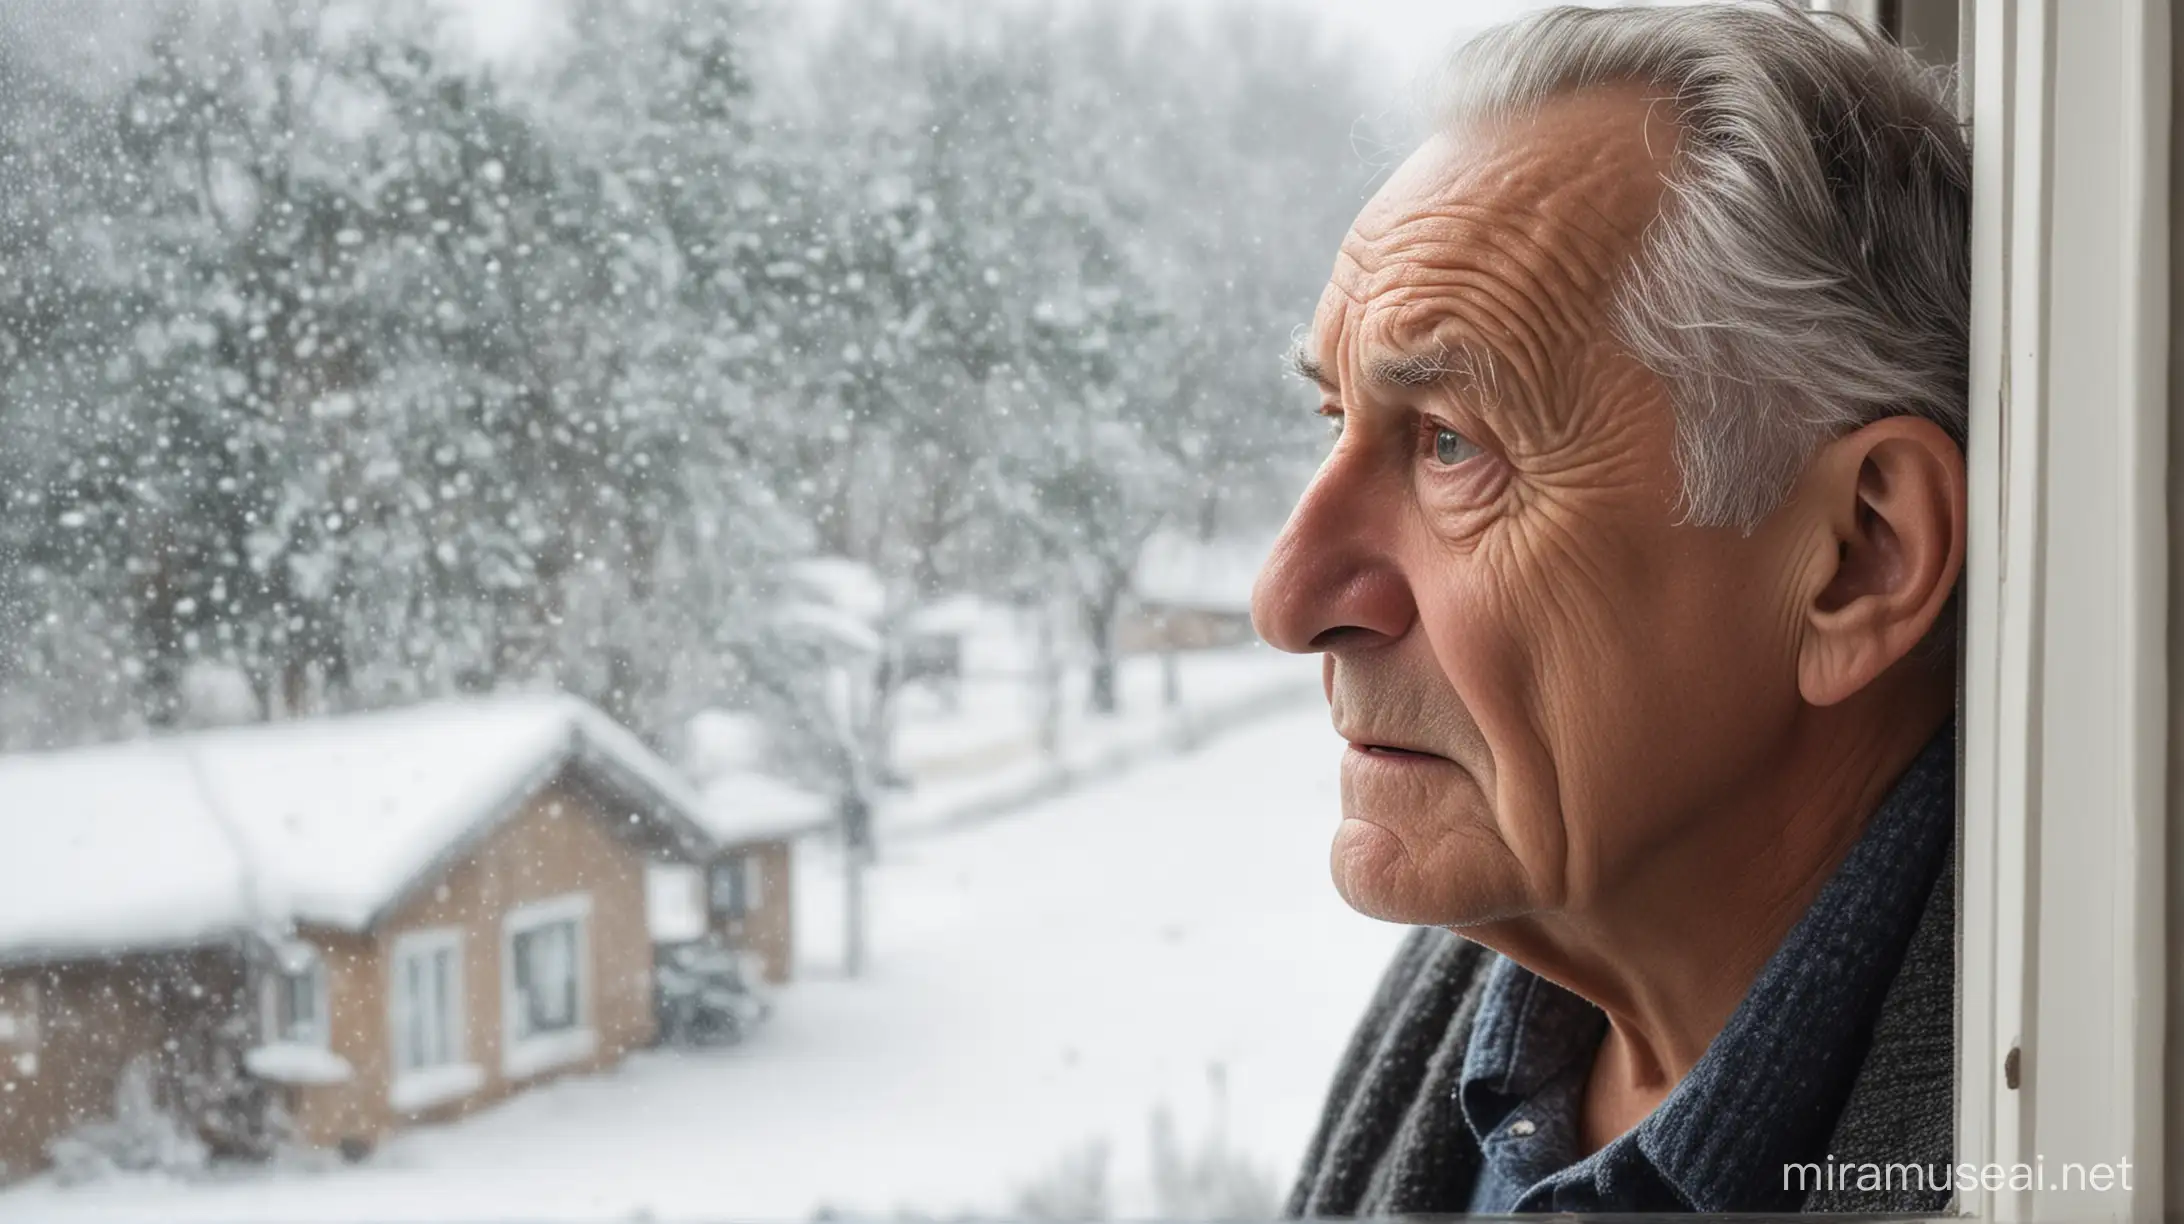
{"points": [[1391, 752]]}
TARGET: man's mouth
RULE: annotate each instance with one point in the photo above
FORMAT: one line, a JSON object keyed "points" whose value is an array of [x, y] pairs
{"points": [[1391, 752]]}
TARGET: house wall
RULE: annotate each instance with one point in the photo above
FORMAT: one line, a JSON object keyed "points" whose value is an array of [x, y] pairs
{"points": [[769, 929], [356, 1011], [77, 1024], [559, 843]]}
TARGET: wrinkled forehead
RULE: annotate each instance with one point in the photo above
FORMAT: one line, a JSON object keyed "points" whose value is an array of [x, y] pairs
{"points": [[1505, 233]]}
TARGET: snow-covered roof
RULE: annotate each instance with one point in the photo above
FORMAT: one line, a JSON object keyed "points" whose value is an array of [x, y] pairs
{"points": [[954, 614], [719, 741], [838, 582], [323, 821], [108, 847], [748, 806], [830, 627], [1178, 570]]}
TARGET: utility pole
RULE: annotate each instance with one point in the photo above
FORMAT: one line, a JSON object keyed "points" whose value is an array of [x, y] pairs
{"points": [[856, 855]]}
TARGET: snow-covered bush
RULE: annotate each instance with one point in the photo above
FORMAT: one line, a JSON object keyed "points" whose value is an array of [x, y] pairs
{"points": [[236, 1114], [1074, 1187], [1206, 1179], [1191, 1178], [705, 994], [140, 1137]]}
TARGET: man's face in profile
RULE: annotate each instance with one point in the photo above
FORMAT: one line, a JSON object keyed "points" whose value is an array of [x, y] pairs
{"points": [[1545, 677]]}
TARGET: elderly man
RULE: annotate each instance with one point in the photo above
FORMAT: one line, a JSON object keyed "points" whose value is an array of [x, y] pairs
{"points": [[1631, 564]]}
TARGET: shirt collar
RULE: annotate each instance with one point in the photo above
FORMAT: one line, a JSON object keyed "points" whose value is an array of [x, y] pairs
{"points": [[1769, 1087], [1524, 1072]]}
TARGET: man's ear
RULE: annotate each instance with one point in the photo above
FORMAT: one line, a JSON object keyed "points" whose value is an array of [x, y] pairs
{"points": [[1891, 497]]}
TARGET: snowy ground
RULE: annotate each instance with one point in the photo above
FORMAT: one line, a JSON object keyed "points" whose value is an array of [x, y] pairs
{"points": [[979, 753], [1039, 981], [990, 717]]}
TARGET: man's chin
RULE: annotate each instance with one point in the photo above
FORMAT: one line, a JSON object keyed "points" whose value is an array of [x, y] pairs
{"points": [[1379, 877]]}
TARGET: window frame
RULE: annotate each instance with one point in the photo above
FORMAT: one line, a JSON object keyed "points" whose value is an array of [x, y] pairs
{"points": [[524, 1053], [414, 1088], [296, 963], [2061, 974]]}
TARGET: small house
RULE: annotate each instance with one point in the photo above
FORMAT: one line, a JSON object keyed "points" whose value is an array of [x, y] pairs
{"points": [[324, 930], [742, 893], [754, 820]]}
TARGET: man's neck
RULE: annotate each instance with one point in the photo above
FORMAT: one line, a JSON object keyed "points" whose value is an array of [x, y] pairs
{"points": [[1669, 956]]}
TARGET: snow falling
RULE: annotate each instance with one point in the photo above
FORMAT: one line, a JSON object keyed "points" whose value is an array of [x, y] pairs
{"points": [[832, 449]]}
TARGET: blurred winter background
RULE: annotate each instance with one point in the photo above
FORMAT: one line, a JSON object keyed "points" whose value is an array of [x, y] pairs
{"points": [[898, 379]]}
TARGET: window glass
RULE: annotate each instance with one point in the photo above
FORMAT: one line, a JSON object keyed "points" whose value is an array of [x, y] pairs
{"points": [[731, 884], [546, 977], [465, 455], [299, 1004], [425, 1006]]}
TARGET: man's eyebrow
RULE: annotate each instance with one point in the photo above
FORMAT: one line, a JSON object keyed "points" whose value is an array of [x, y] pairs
{"points": [[1462, 365], [1304, 365]]}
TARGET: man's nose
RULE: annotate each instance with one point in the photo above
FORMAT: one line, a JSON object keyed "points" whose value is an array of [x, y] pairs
{"points": [[1333, 578]]}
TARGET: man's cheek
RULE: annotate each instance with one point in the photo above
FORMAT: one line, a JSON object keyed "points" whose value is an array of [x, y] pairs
{"points": [[1503, 621], [1537, 644], [1578, 608]]}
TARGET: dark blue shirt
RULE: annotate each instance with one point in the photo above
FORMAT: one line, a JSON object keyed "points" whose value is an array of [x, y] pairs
{"points": [[1768, 1089]]}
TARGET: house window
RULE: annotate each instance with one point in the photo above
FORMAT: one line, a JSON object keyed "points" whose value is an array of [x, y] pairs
{"points": [[296, 1003], [545, 967], [546, 979], [738, 886], [426, 1021], [428, 987], [19, 1031]]}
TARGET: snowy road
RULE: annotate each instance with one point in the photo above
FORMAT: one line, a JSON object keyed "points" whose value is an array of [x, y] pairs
{"points": [[1037, 983]]}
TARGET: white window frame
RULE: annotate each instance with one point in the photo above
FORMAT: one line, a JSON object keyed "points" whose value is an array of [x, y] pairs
{"points": [[524, 1054], [293, 962], [2061, 956], [412, 1089]]}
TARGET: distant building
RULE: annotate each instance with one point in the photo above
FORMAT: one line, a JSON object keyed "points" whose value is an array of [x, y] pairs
{"points": [[1191, 594], [742, 892], [935, 637], [961, 637], [364, 921], [754, 820]]}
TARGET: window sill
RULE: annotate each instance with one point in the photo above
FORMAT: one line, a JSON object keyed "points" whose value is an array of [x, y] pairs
{"points": [[296, 1062], [430, 1086], [533, 1055]]}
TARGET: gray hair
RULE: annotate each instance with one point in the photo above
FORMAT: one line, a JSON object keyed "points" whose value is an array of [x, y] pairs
{"points": [[1810, 271]]}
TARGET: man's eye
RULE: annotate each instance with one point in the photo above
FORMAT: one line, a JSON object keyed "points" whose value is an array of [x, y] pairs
{"points": [[1334, 423], [1451, 448]]}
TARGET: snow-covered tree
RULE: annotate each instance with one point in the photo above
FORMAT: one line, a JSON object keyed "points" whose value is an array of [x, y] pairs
{"points": [[337, 361]]}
